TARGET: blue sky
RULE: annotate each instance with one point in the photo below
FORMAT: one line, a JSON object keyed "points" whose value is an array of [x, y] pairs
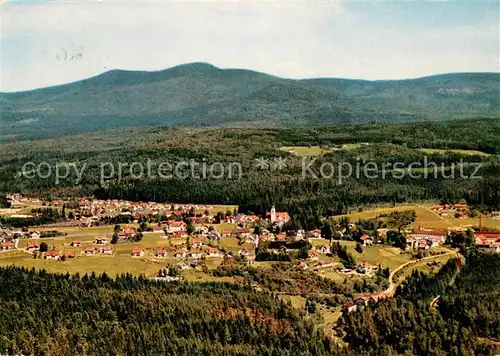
{"points": [[52, 42]]}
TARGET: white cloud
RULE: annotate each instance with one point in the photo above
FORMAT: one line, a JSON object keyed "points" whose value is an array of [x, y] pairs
{"points": [[291, 39]]}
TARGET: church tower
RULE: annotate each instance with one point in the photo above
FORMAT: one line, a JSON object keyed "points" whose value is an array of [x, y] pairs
{"points": [[273, 214]]}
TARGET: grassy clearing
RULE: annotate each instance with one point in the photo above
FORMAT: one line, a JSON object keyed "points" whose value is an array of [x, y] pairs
{"points": [[330, 316], [319, 242], [232, 244], [385, 256], [214, 209], [460, 152], [296, 300], [224, 226], [11, 211], [264, 264], [103, 231], [470, 222], [112, 265], [340, 277], [372, 213], [307, 151], [424, 266], [199, 276], [426, 218], [351, 146]]}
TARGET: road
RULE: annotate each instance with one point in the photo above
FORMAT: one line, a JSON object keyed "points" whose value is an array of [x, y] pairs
{"points": [[434, 301], [389, 292]]}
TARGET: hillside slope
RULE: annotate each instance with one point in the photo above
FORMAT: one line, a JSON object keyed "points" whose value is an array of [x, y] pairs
{"points": [[201, 95]]}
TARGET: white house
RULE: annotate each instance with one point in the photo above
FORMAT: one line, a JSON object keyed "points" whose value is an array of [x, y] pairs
{"points": [[366, 240]]}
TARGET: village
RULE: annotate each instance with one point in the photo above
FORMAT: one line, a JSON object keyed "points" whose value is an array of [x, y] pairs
{"points": [[187, 236]]}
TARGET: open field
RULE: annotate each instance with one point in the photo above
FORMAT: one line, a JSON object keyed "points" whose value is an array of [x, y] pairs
{"points": [[386, 256], [198, 276], [103, 231], [296, 300], [231, 244], [470, 222], [214, 209], [424, 266], [11, 211], [460, 152], [306, 151], [426, 218], [265, 264], [224, 226], [372, 213], [329, 315], [112, 265]]}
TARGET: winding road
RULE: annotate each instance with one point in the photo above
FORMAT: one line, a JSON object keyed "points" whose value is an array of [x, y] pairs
{"points": [[389, 292]]}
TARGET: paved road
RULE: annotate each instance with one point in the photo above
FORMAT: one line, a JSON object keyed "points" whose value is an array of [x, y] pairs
{"points": [[434, 301], [389, 292]]}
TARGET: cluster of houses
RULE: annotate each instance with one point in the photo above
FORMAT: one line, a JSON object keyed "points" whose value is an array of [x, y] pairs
{"points": [[17, 201], [7, 245], [362, 268], [6, 234], [487, 241], [177, 228], [57, 254], [415, 240], [266, 235], [100, 247], [7, 240], [182, 252], [452, 210], [90, 211], [359, 303], [127, 233], [96, 207], [324, 264], [424, 240]]}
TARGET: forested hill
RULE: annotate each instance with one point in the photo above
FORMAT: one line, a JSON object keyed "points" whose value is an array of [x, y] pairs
{"points": [[45, 314], [202, 95], [465, 320]]}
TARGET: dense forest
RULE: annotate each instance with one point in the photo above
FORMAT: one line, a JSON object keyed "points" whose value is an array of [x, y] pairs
{"points": [[307, 197], [465, 320], [60, 314], [52, 314]]}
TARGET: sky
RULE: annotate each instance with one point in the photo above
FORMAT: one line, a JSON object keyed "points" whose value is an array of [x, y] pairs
{"points": [[46, 43]]}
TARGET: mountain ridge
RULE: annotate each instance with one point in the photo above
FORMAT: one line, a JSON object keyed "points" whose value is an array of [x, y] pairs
{"points": [[200, 94], [208, 65]]}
